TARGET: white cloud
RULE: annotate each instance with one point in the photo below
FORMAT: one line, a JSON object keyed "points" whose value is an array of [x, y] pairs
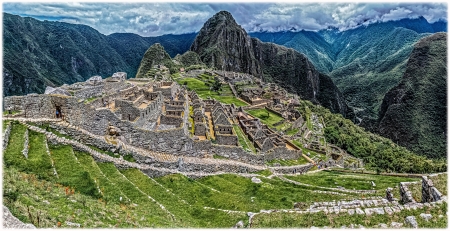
{"points": [[152, 19]]}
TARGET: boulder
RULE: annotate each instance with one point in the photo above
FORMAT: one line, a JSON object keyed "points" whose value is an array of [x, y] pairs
{"points": [[256, 180], [426, 216], [411, 222]]}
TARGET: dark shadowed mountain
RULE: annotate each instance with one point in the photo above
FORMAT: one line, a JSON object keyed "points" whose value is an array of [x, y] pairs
{"points": [[40, 53], [414, 113], [224, 45]]}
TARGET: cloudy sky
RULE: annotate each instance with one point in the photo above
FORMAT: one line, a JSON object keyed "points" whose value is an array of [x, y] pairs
{"points": [[152, 19]]}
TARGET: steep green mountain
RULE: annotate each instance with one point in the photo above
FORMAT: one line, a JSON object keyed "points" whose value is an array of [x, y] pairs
{"points": [[40, 53], [310, 43], [132, 47], [413, 113], [188, 59], [155, 55], [224, 45], [364, 62]]}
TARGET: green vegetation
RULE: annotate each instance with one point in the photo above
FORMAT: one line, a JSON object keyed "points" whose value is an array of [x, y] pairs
{"points": [[312, 154], [378, 153], [419, 121], [191, 119], [215, 156], [291, 132], [243, 139], [109, 192], [70, 172], [332, 220], [90, 100], [265, 172], [39, 161], [5, 113], [189, 59], [154, 215], [13, 156], [267, 117], [350, 180], [204, 91]]}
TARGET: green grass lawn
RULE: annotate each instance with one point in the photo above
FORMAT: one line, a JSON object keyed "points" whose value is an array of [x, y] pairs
{"points": [[350, 180], [71, 173], [110, 193], [5, 124], [203, 91], [266, 116], [188, 215], [154, 214], [243, 139], [38, 159], [313, 154], [13, 156], [291, 132]]}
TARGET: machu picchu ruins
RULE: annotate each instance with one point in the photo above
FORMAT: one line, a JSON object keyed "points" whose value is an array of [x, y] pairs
{"points": [[224, 125]]}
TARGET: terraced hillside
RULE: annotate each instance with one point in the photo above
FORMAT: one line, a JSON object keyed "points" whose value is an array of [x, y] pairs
{"points": [[52, 180]]}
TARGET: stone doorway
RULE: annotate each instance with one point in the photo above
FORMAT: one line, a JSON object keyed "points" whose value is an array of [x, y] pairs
{"points": [[58, 112]]}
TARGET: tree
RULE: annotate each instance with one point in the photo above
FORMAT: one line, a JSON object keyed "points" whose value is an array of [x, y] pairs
{"points": [[217, 85]]}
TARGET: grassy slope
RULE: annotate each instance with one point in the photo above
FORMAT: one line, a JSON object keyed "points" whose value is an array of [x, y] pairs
{"points": [[350, 180]]}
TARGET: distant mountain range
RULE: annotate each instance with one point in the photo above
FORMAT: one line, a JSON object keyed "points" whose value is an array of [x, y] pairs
{"points": [[40, 53], [364, 62], [225, 45]]}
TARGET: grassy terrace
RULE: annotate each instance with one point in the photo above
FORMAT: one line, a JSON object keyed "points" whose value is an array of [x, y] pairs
{"points": [[70, 171], [266, 116], [109, 192], [203, 91], [13, 156], [188, 215], [243, 139], [350, 180], [152, 213], [239, 193]]}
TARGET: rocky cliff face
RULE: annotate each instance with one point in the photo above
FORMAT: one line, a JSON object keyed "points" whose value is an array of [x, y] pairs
{"points": [[413, 114], [225, 45]]}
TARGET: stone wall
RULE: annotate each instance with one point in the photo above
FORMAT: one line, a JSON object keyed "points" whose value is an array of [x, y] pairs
{"points": [[226, 139], [282, 153], [292, 169], [200, 129], [89, 92], [171, 120], [6, 136], [126, 110]]}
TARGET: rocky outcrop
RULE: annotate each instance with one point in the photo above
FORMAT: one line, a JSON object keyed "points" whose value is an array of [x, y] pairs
{"points": [[413, 114], [11, 222], [224, 45]]}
